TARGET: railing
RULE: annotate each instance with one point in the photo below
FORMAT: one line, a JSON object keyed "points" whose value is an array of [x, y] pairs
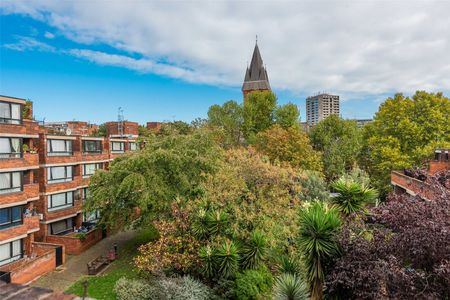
{"points": [[11, 155], [10, 121]]}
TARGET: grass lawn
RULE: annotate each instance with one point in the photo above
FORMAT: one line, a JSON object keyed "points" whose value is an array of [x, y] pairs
{"points": [[102, 286]]}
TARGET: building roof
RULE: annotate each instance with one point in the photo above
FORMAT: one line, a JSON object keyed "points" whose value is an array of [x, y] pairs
{"points": [[256, 74]]}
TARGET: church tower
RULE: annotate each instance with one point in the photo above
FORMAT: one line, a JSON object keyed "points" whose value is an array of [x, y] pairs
{"points": [[256, 78]]}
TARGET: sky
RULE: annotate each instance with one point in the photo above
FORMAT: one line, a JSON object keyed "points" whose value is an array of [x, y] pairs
{"points": [[172, 60]]}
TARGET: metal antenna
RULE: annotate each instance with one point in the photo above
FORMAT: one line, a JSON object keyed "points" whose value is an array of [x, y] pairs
{"points": [[120, 122]]}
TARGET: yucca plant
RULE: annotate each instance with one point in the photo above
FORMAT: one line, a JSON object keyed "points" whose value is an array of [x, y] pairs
{"points": [[352, 196], [253, 253], [207, 256], [227, 259], [217, 222], [319, 226], [199, 226], [289, 265], [290, 287]]}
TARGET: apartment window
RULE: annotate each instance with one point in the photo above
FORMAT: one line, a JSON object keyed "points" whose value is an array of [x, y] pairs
{"points": [[89, 169], [11, 216], [59, 174], [91, 216], [11, 251], [60, 201], [85, 193], [10, 182], [10, 147], [117, 146], [10, 113], [59, 147], [61, 227], [132, 146], [92, 146]]}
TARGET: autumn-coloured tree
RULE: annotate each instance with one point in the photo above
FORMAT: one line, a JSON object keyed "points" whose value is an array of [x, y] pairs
{"points": [[290, 146]]}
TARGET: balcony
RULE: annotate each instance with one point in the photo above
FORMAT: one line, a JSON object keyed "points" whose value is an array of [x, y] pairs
{"points": [[412, 185], [25, 160], [28, 225], [27, 127], [94, 156], [28, 192], [62, 158], [49, 187], [75, 243]]}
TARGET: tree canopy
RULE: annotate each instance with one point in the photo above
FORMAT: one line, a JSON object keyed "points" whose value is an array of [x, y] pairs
{"points": [[405, 132], [339, 141]]}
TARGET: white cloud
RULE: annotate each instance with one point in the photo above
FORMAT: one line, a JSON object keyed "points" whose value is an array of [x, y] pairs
{"points": [[347, 47], [49, 35], [27, 43]]}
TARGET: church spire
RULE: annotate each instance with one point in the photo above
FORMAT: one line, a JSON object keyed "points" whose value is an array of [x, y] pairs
{"points": [[256, 78]]}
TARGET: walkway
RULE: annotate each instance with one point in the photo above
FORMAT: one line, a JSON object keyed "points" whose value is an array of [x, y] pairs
{"points": [[75, 266]]}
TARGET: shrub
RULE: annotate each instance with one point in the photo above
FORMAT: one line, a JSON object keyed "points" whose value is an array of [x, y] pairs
{"points": [[227, 259], [352, 195], [182, 288], [313, 187], [290, 287], [254, 284], [207, 256], [131, 289], [289, 265], [254, 253]]}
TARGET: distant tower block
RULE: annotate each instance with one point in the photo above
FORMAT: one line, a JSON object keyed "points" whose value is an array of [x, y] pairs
{"points": [[256, 78]]}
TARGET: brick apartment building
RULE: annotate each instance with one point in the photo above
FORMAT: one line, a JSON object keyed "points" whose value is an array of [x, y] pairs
{"points": [[44, 175], [406, 182]]}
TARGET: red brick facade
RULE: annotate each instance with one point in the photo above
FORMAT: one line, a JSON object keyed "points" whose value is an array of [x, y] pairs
{"points": [[33, 162]]}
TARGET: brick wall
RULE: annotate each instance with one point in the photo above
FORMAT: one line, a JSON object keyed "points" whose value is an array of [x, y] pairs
{"points": [[412, 185], [72, 244], [436, 166], [128, 128]]}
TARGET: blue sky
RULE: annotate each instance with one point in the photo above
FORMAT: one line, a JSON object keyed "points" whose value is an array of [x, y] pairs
{"points": [[83, 62]]}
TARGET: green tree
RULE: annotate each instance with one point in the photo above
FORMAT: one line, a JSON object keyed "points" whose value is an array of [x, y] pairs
{"points": [[404, 133], [149, 180], [259, 110], [229, 118], [289, 145], [340, 143], [287, 115], [319, 228]]}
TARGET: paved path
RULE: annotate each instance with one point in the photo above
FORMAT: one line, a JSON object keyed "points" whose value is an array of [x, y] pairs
{"points": [[75, 266]]}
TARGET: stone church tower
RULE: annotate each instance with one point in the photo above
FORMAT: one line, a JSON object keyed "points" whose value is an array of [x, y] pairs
{"points": [[256, 78]]}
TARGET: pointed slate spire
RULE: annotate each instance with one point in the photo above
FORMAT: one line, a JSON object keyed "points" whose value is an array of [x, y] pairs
{"points": [[256, 78]]}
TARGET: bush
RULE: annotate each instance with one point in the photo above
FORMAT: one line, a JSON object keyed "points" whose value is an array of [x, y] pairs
{"points": [[182, 288], [227, 257], [131, 289], [254, 253], [254, 284], [290, 287]]}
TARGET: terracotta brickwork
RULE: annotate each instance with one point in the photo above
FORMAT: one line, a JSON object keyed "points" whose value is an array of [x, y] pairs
{"points": [[412, 186], [29, 160], [129, 128], [155, 126], [73, 244], [26, 128], [436, 166], [30, 191]]}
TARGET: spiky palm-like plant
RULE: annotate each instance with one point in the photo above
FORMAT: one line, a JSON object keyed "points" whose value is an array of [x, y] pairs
{"points": [[319, 226], [207, 256], [352, 196], [200, 225], [227, 259], [217, 222], [289, 265], [253, 254], [290, 287]]}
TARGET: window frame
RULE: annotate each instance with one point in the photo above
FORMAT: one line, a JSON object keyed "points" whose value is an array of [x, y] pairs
{"points": [[135, 144], [122, 150], [12, 257], [12, 223], [12, 189], [51, 208], [99, 149], [59, 180], [68, 229], [50, 151], [13, 154], [12, 120], [97, 167]]}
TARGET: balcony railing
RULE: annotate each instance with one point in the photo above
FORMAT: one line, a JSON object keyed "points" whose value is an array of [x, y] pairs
{"points": [[11, 155], [10, 121]]}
